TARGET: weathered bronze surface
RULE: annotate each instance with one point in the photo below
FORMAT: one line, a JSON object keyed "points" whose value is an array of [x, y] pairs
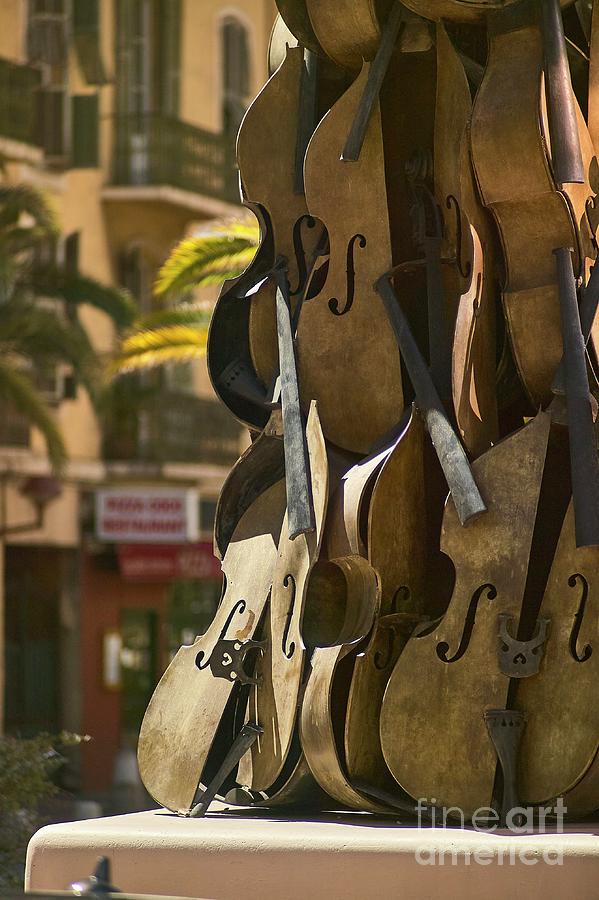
{"points": [[295, 15], [349, 31], [321, 710], [272, 186], [346, 354], [448, 674], [261, 466], [461, 10], [452, 458], [396, 548], [560, 743], [188, 703], [274, 699], [515, 180], [470, 283]]}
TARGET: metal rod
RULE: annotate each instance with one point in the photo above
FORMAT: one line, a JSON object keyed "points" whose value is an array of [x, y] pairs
{"points": [[307, 115], [372, 88], [588, 311], [584, 460], [566, 153], [245, 739], [452, 457], [300, 512]]}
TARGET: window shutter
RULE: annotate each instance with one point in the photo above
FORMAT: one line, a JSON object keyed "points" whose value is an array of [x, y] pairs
{"points": [[85, 131], [85, 16], [86, 31]]}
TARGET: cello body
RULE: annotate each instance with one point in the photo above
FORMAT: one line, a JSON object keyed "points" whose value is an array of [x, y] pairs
{"points": [[448, 674], [524, 199], [558, 754]]}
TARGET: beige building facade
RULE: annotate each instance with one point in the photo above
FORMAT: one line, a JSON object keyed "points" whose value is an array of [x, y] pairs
{"points": [[124, 113]]}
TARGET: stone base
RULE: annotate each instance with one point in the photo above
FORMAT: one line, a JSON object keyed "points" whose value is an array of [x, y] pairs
{"points": [[257, 855]]}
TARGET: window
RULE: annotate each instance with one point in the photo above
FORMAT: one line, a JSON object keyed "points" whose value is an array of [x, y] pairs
{"points": [[148, 36], [85, 131], [236, 74], [47, 47]]}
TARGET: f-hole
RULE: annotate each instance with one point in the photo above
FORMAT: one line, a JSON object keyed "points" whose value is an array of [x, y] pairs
{"points": [[239, 607], [300, 252], [401, 598], [573, 581], [289, 650], [443, 646], [351, 277]]}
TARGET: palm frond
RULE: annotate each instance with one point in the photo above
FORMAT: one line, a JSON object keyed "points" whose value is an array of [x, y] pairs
{"points": [[193, 314], [76, 290], [159, 346], [41, 336], [202, 259], [17, 389], [15, 200]]}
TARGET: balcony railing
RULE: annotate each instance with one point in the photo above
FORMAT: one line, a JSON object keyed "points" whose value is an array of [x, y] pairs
{"points": [[15, 428], [19, 102], [153, 149], [176, 427]]}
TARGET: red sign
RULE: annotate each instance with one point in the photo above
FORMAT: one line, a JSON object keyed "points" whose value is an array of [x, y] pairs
{"points": [[147, 515], [167, 562]]}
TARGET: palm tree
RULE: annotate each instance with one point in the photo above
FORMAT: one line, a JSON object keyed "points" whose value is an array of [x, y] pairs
{"points": [[178, 333], [39, 322]]}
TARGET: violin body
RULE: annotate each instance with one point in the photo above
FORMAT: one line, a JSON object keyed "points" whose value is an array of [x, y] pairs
{"points": [[396, 549], [274, 699], [229, 360], [558, 754], [461, 10], [348, 31], [471, 240], [353, 597], [448, 674], [272, 189], [507, 125], [295, 15], [189, 701], [345, 345]]}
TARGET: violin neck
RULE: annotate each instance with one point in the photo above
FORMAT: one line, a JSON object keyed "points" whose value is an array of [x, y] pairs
{"points": [[563, 124], [584, 461]]}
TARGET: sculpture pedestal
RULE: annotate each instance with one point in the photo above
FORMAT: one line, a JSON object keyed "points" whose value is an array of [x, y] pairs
{"points": [[255, 855]]}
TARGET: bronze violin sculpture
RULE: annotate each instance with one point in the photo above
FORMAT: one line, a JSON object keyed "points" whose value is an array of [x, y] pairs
{"points": [[410, 543]]}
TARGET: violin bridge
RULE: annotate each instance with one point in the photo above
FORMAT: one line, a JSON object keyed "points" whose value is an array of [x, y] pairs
{"points": [[520, 659], [228, 658]]}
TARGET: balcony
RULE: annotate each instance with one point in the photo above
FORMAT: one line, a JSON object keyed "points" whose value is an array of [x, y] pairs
{"points": [[19, 102], [175, 428], [158, 157], [15, 428]]}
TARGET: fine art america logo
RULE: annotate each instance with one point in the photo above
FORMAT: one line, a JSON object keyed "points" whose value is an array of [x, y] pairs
{"points": [[518, 822]]}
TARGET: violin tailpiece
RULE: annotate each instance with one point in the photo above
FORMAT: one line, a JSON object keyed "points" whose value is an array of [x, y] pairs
{"points": [[505, 727]]}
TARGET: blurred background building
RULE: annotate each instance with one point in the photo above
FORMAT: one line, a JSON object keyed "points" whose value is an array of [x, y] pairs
{"points": [[125, 113]]}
